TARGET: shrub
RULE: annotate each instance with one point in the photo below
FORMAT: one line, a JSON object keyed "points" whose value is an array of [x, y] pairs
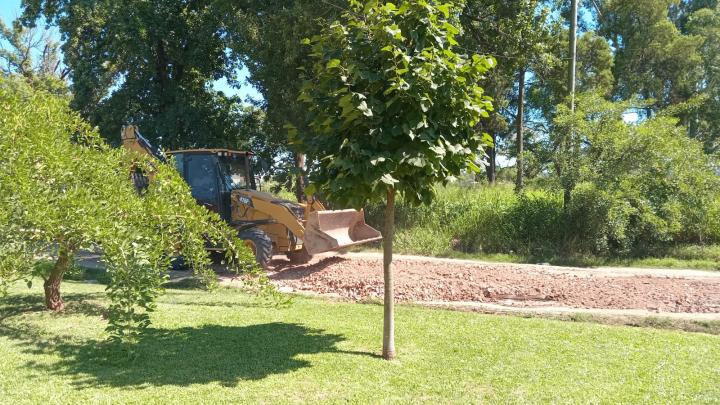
{"points": [[492, 220], [63, 189]]}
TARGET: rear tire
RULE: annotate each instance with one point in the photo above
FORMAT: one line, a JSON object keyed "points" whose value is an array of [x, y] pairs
{"points": [[260, 243], [299, 256]]}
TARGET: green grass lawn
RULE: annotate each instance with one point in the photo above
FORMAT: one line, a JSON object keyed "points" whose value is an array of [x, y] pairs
{"points": [[228, 347]]}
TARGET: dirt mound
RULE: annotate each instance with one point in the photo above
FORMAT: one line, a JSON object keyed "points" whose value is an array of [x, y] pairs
{"points": [[359, 276]]}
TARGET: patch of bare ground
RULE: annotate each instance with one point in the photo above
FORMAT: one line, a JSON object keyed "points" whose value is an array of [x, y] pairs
{"points": [[526, 288]]}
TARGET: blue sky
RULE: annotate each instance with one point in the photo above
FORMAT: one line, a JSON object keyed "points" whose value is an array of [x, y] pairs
{"points": [[10, 10]]}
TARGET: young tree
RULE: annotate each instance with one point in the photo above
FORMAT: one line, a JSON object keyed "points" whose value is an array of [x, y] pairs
{"points": [[63, 189], [393, 111]]}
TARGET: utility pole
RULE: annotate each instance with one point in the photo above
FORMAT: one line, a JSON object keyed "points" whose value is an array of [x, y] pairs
{"points": [[570, 138]]}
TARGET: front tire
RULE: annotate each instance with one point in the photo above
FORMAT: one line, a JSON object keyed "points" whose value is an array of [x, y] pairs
{"points": [[260, 244]]}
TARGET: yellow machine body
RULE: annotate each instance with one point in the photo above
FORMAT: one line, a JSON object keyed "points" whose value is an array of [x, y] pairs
{"points": [[294, 226], [291, 227]]}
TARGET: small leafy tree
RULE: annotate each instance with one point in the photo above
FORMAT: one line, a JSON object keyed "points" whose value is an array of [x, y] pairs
{"points": [[63, 189], [392, 110], [638, 189]]}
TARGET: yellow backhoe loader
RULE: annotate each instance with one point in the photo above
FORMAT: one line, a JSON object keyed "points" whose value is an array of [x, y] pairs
{"points": [[222, 180]]}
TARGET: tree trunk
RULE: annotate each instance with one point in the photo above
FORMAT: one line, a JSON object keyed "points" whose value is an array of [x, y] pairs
{"points": [[573, 53], [389, 314], [520, 127], [492, 161], [53, 300], [567, 196], [300, 180]]}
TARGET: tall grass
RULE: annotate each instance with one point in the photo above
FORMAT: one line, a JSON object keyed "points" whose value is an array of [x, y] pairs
{"points": [[487, 221], [478, 220]]}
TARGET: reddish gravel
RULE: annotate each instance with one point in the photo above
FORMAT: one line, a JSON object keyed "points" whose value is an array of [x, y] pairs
{"points": [[359, 276]]}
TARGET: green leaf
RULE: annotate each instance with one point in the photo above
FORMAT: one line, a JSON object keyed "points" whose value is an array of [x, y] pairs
{"points": [[473, 167], [310, 190], [292, 129], [445, 9], [389, 180], [333, 63]]}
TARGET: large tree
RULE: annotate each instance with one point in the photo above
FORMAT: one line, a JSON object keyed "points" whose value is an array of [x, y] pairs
{"points": [[267, 35], [34, 55], [517, 33], [703, 118], [653, 59], [151, 63]]}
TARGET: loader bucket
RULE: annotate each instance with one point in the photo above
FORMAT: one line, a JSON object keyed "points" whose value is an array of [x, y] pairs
{"points": [[333, 230]]}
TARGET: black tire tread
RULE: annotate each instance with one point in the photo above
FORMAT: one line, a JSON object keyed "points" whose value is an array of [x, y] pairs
{"points": [[263, 245]]}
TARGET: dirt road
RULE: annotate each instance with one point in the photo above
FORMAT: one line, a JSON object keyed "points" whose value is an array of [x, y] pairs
{"points": [[436, 281]]}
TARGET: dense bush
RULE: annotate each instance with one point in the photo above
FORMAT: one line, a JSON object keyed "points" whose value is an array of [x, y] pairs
{"points": [[535, 225], [612, 189]]}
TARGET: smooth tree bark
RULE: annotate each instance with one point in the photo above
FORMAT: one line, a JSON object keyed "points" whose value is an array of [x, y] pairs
{"points": [[520, 122], [389, 310], [53, 299]]}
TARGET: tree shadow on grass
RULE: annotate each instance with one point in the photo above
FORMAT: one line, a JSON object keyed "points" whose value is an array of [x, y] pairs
{"points": [[83, 304], [180, 357], [185, 356]]}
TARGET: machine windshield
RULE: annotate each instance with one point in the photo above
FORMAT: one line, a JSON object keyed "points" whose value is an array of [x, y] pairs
{"points": [[234, 171]]}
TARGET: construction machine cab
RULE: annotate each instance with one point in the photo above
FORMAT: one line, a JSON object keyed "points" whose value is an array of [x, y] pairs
{"points": [[213, 174]]}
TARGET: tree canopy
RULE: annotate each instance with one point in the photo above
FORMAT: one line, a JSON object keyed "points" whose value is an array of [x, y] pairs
{"points": [[149, 63], [63, 189], [391, 104]]}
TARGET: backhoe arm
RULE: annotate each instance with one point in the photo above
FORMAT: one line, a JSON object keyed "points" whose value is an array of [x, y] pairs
{"points": [[132, 140]]}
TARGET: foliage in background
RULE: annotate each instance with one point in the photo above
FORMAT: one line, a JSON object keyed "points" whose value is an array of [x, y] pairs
{"points": [[268, 35], [151, 64], [638, 176], [63, 189], [519, 34], [601, 225], [33, 55]]}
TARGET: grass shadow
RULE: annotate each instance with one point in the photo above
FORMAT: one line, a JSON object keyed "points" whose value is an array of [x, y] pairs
{"points": [[82, 304], [185, 356], [178, 357]]}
